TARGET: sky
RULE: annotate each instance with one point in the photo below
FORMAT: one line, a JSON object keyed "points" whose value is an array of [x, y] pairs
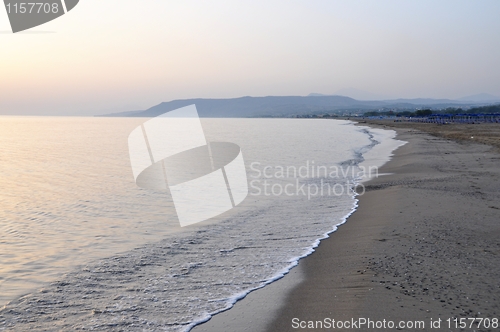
{"points": [[122, 55]]}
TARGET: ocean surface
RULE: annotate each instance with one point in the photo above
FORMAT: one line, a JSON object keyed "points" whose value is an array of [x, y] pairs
{"points": [[82, 246]]}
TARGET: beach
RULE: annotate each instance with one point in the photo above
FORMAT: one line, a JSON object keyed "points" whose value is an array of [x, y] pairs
{"points": [[260, 166], [116, 259], [422, 247]]}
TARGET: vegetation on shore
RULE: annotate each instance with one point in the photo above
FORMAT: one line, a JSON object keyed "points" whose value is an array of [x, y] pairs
{"points": [[491, 109]]}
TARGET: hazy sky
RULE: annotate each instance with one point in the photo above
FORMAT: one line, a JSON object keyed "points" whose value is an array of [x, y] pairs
{"points": [[116, 55]]}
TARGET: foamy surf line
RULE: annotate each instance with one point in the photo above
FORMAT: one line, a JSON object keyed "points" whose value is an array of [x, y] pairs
{"points": [[161, 286], [184, 280], [378, 137], [293, 262]]}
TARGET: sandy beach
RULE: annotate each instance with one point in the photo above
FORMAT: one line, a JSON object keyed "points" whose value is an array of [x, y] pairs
{"points": [[250, 166], [423, 246]]}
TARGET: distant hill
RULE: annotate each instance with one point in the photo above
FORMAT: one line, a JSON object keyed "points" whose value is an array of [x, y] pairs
{"points": [[258, 106], [424, 101], [482, 97], [286, 106], [491, 109]]}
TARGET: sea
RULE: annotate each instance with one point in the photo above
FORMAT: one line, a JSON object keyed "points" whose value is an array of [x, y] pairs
{"points": [[83, 247]]}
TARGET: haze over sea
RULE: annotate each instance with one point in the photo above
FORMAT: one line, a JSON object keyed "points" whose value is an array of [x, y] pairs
{"points": [[75, 227]]}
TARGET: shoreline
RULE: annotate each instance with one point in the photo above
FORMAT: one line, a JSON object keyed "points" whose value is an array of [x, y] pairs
{"points": [[423, 241], [374, 258]]}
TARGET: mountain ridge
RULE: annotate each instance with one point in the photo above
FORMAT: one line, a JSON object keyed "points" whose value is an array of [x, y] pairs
{"points": [[279, 106]]}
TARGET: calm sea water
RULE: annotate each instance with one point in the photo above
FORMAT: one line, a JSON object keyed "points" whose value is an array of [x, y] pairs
{"points": [[71, 215]]}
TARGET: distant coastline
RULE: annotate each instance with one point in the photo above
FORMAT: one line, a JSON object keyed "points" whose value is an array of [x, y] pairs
{"points": [[297, 106]]}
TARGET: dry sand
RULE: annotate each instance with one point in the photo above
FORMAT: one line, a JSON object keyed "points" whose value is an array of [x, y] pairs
{"points": [[484, 133], [424, 244]]}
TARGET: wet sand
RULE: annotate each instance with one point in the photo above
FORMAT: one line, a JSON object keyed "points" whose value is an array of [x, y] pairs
{"points": [[424, 244]]}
